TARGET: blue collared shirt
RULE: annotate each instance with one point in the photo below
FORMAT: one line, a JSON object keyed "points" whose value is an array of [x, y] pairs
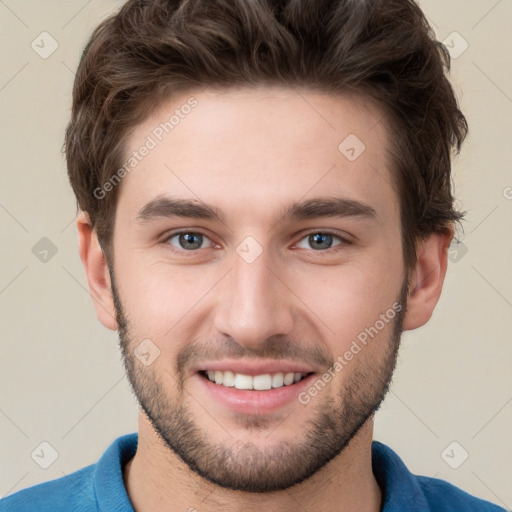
{"points": [[100, 487]]}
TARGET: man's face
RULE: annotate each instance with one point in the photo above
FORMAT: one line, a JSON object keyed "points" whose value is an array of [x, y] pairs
{"points": [[255, 293]]}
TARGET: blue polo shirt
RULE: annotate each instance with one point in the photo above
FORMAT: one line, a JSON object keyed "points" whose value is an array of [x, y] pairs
{"points": [[100, 487]]}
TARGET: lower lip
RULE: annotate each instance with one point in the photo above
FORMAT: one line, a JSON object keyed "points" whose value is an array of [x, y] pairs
{"points": [[255, 402]]}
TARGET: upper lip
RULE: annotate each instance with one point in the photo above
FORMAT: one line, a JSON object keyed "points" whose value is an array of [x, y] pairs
{"points": [[252, 368]]}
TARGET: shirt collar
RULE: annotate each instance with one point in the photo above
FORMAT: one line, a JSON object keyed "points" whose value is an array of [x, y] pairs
{"points": [[108, 478], [400, 488]]}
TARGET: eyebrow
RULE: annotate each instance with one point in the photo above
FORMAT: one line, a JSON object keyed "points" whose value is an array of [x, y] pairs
{"points": [[339, 207]]}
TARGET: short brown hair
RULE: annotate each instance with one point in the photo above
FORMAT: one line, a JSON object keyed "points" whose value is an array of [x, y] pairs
{"points": [[385, 49]]}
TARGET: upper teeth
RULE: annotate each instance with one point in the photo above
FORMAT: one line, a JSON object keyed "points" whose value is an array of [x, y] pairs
{"points": [[258, 382]]}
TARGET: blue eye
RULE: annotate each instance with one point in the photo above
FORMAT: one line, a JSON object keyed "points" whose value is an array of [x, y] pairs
{"points": [[188, 240], [321, 240]]}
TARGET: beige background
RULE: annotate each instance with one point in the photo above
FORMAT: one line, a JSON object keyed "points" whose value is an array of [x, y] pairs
{"points": [[61, 377]]}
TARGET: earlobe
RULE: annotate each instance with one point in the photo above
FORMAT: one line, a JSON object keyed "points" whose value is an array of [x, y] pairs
{"points": [[427, 279], [96, 269]]}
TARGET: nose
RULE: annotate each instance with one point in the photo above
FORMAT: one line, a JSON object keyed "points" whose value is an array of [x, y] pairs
{"points": [[254, 303]]}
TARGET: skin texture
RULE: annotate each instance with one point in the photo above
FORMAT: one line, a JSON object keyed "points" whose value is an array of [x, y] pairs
{"points": [[250, 153]]}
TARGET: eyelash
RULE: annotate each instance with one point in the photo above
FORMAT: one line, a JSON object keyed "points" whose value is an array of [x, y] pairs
{"points": [[343, 241]]}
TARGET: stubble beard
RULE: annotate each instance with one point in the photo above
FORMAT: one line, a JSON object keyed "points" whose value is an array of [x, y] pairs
{"points": [[242, 465]]}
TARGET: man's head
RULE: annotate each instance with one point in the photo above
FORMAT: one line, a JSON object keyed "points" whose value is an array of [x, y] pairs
{"points": [[291, 206]]}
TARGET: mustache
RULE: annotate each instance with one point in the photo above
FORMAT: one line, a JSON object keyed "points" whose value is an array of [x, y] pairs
{"points": [[276, 347]]}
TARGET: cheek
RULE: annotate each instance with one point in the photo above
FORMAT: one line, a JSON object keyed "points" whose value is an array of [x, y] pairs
{"points": [[350, 298], [161, 300]]}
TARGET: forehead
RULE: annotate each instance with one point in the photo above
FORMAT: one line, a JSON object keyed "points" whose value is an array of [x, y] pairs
{"points": [[251, 151]]}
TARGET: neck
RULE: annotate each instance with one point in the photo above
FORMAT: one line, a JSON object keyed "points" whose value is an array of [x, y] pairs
{"points": [[156, 479]]}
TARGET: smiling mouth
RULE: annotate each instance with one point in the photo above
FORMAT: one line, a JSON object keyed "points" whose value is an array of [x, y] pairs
{"points": [[253, 382]]}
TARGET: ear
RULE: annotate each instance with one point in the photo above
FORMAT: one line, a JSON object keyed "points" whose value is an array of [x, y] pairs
{"points": [[427, 279], [96, 268]]}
